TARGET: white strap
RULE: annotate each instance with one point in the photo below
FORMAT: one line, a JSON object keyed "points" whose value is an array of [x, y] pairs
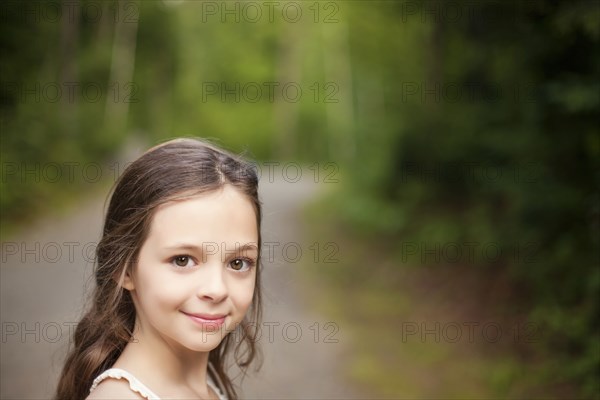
{"points": [[139, 387], [134, 383]]}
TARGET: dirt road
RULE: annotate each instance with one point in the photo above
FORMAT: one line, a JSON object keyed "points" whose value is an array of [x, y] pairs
{"points": [[45, 275]]}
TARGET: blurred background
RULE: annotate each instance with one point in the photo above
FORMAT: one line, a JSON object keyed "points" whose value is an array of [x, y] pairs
{"points": [[436, 164]]}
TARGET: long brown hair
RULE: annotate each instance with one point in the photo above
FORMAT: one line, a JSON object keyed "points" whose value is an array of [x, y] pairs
{"points": [[160, 175]]}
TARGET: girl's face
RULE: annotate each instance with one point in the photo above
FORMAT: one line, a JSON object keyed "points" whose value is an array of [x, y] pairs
{"points": [[195, 275]]}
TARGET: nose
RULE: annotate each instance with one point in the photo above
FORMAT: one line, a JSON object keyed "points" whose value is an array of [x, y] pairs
{"points": [[212, 286]]}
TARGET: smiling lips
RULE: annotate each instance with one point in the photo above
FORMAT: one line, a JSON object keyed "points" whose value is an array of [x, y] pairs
{"points": [[212, 321]]}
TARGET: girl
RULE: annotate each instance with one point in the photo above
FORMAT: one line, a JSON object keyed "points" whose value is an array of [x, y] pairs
{"points": [[177, 271]]}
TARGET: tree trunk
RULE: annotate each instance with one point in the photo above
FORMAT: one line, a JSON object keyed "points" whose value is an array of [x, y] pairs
{"points": [[121, 86]]}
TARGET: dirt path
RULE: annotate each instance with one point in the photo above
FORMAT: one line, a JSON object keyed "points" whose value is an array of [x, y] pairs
{"points": [[42, 286], [45, 274], [301, 348]]}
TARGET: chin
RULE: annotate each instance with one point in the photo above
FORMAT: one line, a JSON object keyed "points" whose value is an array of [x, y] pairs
{"points": [[205, 341], [202, 345]]}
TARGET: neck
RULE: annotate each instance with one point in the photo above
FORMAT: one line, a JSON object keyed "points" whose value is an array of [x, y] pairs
{"points": [[158, 359]]}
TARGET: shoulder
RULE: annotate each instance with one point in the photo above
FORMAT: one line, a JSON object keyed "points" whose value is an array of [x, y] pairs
{"points": [[113, 389]]}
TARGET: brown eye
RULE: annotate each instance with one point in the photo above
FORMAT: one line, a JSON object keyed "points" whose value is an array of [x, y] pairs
{"points": [[237, 264], [241, 264], [181, 261]]}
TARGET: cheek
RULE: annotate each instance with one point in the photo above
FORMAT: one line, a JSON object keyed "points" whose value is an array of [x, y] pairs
{"points": [[241, 294], [160, 291]]}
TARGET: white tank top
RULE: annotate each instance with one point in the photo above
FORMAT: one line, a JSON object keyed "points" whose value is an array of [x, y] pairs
{"points": [[139, 387]]}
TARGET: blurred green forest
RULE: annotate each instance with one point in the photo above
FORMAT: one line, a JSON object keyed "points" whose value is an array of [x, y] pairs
{"points": [[450, 121]]}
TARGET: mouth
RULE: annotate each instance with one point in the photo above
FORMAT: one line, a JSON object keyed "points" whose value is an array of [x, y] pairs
{"points": [[210, 321]]}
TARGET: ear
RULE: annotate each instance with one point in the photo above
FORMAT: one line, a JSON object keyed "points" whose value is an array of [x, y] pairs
{"points": [[125, 280], [128, 282]]}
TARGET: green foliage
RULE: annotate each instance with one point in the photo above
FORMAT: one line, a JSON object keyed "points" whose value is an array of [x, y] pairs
{"points": [[513, 162]]}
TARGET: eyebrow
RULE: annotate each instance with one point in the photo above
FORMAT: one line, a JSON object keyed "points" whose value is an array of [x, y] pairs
{"points": [[192, 247]]}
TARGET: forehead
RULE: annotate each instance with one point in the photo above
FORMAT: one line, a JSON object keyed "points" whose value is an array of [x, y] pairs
{"points": [[224, 215]]}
